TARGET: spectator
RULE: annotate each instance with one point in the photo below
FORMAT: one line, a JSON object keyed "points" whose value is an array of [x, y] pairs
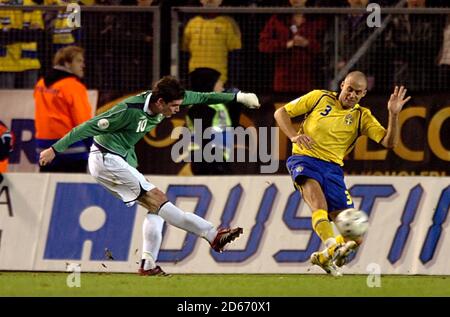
{"points": [[144, 3], [330, 3], [439, 3], [6, 143], [412, 42], [120, 48], [61, 104], [19, 63], [136, 41], [208, 38], [294, 40], [444, 56], [215, 116], [58, 23], [353, 33], [62, 33]]}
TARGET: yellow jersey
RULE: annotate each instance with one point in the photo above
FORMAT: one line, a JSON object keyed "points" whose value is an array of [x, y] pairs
{"points": [[62, 32], [20, 56], [333, 128], [209, 41], [31, 19]]}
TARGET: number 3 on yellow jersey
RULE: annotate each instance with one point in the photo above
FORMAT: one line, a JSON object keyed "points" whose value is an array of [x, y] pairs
{"points": [[349, 198]]}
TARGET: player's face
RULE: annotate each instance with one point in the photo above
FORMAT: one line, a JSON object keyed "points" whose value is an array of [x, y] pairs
{"points": [[77, 65], [352, 90], [170, 108], [218, 87], [211, 3]]}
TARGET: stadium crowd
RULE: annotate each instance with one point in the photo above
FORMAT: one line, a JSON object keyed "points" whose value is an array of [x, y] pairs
{"points": [[284, 52]]}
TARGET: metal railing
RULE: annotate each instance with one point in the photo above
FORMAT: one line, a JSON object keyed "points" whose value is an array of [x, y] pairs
{"points": [[386, 53], [117, 56], [122, 43]]}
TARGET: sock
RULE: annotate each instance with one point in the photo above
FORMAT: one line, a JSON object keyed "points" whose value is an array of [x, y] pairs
{"points": [[322, 225], [340, 239], [330, 242], [152, 237], [187, 221]]}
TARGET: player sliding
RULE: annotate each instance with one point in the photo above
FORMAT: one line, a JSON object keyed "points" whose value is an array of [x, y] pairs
{"points": [[328, 133], [113, 162]]}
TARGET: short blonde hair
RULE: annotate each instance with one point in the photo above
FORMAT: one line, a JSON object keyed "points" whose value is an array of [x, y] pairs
{"points": [[66, 55]]}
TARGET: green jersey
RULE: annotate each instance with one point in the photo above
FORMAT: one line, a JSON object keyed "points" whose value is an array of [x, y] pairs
{"points": [[121, 127]]}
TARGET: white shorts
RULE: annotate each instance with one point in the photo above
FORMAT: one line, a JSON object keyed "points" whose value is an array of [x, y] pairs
{"points": [[117, 176]]}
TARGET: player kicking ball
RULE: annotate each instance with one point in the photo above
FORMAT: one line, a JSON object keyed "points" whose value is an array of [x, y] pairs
{"points": [[113, 162], [333, 122]]}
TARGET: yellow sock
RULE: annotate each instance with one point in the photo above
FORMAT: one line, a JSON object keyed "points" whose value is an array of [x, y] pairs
{"points": [[340, 239], [322, 225]]}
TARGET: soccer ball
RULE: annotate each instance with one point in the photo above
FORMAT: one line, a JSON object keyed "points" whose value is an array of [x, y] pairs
{"points": [[352, 223]]}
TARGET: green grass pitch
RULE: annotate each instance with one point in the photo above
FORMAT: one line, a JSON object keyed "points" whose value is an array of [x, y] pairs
{"points": [[219, 285]]}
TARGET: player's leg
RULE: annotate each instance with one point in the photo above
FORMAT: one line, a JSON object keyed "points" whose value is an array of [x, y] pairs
{"points": [[315, 198], [338, 199], [306, 173], [307, 177], [350, 247], [156, 202], [152, 237], [127, 184], [313, 195]]}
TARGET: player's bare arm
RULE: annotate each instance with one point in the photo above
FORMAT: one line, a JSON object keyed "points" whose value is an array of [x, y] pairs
{"points": [[285, 124], [395, 104], [303, 140]]}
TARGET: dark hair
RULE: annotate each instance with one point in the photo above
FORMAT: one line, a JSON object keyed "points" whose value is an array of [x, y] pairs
{"points": [[66, 54], [203, 79], [168, 88]]}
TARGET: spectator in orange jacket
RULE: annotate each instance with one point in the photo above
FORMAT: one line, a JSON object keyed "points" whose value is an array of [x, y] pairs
{"points": [[61, 102]]}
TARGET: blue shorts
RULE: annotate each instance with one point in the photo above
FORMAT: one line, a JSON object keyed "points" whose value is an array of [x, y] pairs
{"points": [[329, 175]]}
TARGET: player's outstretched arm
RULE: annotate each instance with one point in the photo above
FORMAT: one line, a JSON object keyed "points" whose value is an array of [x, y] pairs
{"points": [[395, 104], [46, 156], [250, 100]]}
